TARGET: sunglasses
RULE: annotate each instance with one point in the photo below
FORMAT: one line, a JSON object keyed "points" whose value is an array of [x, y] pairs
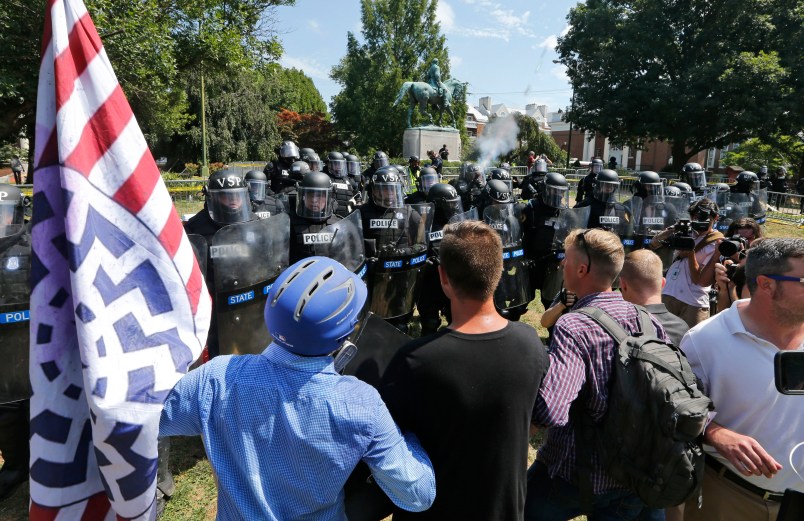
{"points": [[784, 278]]}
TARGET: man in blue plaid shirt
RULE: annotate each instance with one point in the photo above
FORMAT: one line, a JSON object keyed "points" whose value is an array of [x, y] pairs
{"points": [[581, 363], [282, 429]]}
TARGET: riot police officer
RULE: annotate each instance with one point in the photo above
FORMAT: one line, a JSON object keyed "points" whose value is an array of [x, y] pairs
{"points": [[312, 159], [531, 183], [263, 204], [744, 199], [379, 160], [501, 174], [605, 211], [355, 176], [779, 182], [648, 207], [586, 185], [427, 178], [763, 177], [278, 170], [413, 172], [540, 225], [694, 175], [469, 183], [344, 188], [432, 302], [15, 269], [496, 191], [311, 213], [384, 191]]}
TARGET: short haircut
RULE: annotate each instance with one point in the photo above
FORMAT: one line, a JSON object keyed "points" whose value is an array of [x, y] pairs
{"points": [[704, 205], [742, 223], [471, 254], [604, 248], [643, 270], [771, 257]]}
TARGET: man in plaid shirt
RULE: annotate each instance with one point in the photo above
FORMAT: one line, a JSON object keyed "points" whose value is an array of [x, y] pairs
{"points": [[581, 364]]}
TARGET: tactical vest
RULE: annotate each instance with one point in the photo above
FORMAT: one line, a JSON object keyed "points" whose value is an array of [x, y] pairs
{"points": [[304, 234], [267, 208], [344, 191], [15, 267]]}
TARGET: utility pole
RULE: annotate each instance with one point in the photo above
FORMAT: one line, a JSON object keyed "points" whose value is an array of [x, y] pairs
{"points": [[569, 139]]}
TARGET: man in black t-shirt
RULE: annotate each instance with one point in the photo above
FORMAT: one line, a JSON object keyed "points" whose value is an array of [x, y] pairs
{"points": [[471, 387]]}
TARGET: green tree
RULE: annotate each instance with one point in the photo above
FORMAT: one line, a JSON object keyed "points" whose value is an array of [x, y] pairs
{"points": [[400, 39], [778, 151], [295, 91], [700, 74], [531, 138]]}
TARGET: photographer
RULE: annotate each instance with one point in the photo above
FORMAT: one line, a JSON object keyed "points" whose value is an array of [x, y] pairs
{"points": [[692, 272], [729, 272]]}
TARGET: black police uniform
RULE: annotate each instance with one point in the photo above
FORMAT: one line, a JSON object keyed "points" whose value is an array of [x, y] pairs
{"points": [[299, 227], [539, 233], [268, 207]]}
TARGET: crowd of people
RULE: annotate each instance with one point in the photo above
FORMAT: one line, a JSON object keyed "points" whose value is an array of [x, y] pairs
{"points": [[444, 429]]}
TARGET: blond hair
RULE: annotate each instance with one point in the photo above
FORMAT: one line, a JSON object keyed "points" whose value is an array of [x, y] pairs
{"points": [[643, 271], [604, 249]]}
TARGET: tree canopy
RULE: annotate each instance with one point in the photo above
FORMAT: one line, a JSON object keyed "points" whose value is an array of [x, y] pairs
{"points": [[399, 40], [700, 74]]}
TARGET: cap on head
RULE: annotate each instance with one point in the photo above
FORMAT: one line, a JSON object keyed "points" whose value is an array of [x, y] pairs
{"points": [[313, 306]]}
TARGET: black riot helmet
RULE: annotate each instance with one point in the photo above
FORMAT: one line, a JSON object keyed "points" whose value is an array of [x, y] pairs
{"points": [[672, 191], [379, 160], [428, 178], [605, 186], [227, 198], [720, 194], [386, 187], [446, 200], [499, 192], [336, 165], [470, 172], [314, 198], [781, 172], [256, 182], [352, 165], [298, 170], [541, 166], [648, 184], [597, 165], [314, 162], [306, 153], [695, 175], [555, 193], [763, 171], [501, 174], [289, 152], [746, 182], [12, 210], [684, 188]]}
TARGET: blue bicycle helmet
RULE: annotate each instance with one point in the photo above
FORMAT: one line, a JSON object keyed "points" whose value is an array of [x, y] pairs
{"points": [[314, 306]]}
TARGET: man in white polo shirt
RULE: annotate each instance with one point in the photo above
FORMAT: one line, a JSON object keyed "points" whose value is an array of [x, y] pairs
{"points": [[754, 430]]}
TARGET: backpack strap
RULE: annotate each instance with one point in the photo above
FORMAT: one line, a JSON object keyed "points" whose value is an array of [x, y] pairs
{"points": [[709, 238]]}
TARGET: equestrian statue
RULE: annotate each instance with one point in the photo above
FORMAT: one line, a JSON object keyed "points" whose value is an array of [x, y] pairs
{"points": [[433, 92]]}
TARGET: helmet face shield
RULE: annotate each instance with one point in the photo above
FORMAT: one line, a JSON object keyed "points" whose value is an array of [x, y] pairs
{"points": [[229, 206], [450, 207], [387, 195], [289, 150], [379, 162], [353, 168], [12, 217], [427, 181], [606, 191], [556, 196], [541, 166], [337, 167], [697, 179], [316, 165], [256, 189], [596, 168], [655, 190], [314, 203]]}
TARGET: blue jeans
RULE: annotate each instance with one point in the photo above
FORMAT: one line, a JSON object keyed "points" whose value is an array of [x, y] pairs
{"points": [[555, 499]]}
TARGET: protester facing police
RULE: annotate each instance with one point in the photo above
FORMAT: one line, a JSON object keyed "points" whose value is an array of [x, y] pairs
{"points": [[15, 271], [282, 429]]}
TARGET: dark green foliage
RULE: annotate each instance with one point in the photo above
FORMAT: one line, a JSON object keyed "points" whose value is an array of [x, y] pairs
{"points": [[400, 38]]}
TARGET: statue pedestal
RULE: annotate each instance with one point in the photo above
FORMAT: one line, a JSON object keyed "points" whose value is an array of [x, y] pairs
{"points": [[417, 141]]}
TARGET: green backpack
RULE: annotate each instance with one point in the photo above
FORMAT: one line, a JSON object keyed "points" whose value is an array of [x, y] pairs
{"points": [[650, 437]]}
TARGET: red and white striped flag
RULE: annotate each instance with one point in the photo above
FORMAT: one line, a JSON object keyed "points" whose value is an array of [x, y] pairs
{"points": [[119, 309]]}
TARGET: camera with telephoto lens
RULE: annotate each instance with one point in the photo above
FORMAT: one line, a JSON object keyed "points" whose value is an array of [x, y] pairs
{"points": [[733, 245], [682, 236]]}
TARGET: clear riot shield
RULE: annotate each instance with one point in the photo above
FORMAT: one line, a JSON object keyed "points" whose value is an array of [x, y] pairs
{"points": [[753, 205], [651, 215], [434, 237], [15, 297], [246, 258], [401, 255], [342, 241], [200, 249], [567, 220], [514, 287], [618, 219]]}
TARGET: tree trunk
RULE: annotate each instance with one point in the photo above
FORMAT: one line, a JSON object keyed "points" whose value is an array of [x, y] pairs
{"points": [[680, 155]]}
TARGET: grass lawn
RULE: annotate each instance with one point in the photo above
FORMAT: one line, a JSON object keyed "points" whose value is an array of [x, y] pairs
{"points": [[195, 497]]}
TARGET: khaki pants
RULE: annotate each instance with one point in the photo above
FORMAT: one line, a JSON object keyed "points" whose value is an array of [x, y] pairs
{"points": [[724, 500], [690, 314]]}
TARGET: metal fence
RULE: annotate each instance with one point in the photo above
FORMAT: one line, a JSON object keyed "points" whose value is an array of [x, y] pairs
{"points": [[785, 208]]}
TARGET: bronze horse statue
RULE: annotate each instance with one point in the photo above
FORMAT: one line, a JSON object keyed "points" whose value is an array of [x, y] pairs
{"points": [[423, 94]]}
